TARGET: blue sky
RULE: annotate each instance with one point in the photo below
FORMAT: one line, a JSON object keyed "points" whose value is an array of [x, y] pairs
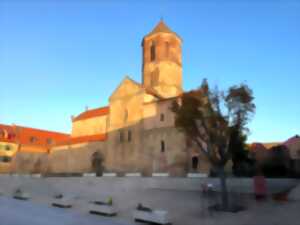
{"points": [[56, 58]]}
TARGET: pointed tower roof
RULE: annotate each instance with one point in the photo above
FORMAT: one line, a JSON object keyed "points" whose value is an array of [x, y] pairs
{"points": [[161, 27]]}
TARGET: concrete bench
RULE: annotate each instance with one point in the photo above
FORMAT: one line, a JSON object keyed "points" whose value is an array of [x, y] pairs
{"points": [[155, 216], [20, 195], [160, 175], [89, 174], [133, 175], [109, 174], [196, 175], [102, 209], [36, 175], [63, 202]]}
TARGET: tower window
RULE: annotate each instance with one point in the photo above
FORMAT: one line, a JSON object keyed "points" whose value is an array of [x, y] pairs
{"points": [[167, 49], [152, 52], [162, 117], [129, 136], [121, 136], [162, 146]]}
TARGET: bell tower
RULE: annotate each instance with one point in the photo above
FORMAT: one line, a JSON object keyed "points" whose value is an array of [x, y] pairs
{"points": [[162, 69]]}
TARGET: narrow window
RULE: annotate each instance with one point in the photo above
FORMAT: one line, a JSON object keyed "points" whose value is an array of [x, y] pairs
{"points": [[129, 136], [152, 52], [162, 146], [162, 117], [121, 136], [167, 49]]}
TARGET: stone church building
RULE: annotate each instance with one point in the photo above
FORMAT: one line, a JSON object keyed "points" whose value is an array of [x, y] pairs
{"points": [[135, 132]]}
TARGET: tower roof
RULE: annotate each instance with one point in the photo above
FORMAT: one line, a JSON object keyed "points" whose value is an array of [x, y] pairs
{"points": [[161, 27]]}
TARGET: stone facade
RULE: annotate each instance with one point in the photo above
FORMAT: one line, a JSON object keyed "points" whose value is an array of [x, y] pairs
{"points": [[138, 124]]}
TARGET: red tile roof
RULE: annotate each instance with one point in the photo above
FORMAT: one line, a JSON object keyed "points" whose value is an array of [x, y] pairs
{"points": [[92, 113], [26, 136], [83, 139]]}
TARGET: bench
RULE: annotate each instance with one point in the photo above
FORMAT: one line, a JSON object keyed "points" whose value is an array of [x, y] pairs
{"points": [[102, 209], [20, 195], [61, 201], [155, 216]]}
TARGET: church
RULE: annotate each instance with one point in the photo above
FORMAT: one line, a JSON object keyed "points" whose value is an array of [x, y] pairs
{"points": [[136, 131]]}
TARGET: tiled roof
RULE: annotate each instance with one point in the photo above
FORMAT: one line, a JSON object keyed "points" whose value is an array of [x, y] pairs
{"points": [[83, 139], [161, 27], [26, 136], [92, 113]]}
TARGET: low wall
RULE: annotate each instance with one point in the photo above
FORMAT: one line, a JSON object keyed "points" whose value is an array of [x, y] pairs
{"points": [[109, 185]]}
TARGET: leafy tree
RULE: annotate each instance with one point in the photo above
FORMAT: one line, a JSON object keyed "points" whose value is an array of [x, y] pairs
{"points": [[242, 164], [207, 116]]}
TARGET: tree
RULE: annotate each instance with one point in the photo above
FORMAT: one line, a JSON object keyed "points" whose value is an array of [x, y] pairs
{"points": [[242, 165], [207, 116], [277, 165], [97, 163]]}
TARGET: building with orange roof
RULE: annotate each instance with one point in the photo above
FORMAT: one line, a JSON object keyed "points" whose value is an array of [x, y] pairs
{"points": [[22, 148]]}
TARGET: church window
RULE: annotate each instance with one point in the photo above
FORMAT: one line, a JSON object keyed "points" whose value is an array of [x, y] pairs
{"points": [[167, 49], [152, 51], [121, 136], [162, 117], [129, 136], [162, 146]]}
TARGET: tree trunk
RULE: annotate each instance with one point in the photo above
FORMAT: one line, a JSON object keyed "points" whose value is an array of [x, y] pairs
{"points": [[224, 192]]}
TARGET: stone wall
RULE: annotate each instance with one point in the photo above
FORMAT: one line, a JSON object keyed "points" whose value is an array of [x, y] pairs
{"points": [[75, 158], [91, 126], [30, 162]]}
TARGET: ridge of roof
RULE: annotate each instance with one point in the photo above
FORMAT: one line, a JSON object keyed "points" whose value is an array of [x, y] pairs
{"points": [[161, 27], [92, 113], [83, 139]]}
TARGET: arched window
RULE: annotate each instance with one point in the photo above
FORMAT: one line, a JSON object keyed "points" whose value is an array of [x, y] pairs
{"points": [[167, 49], [162, 146], [152, 51]]}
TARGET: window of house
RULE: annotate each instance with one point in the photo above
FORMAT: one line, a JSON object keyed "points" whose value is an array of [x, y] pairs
{"points": [[121, 136], [49, 141], [152, 51], [33, 139], [5, 159], [7, 147], [167, 49], [162, 117], [162, 146], [129, 136]]}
